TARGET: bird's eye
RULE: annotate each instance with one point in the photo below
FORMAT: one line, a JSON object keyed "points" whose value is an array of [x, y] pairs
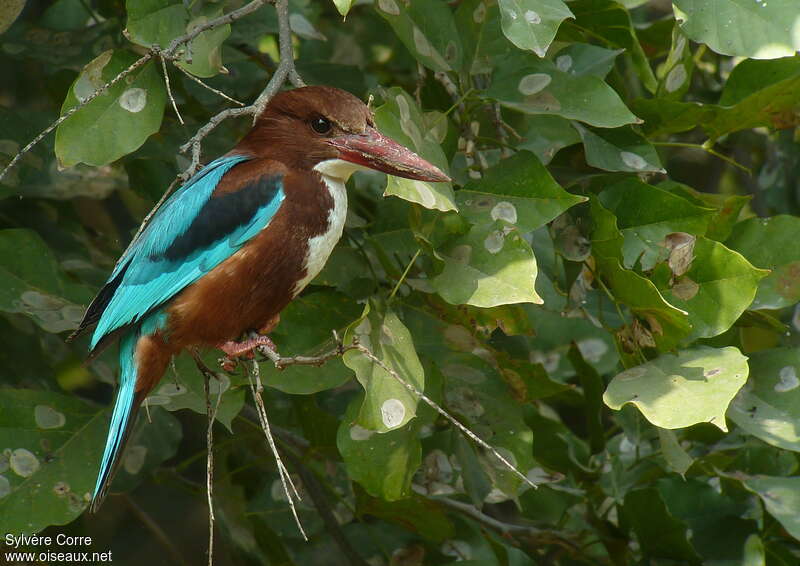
{"points": [[321, 125]]}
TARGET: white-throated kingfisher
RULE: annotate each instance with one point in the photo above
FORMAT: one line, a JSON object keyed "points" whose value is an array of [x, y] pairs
{"points": [[236, 243]]}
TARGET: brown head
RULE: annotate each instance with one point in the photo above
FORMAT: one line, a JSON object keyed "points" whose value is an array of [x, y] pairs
{"points": [[314, 125]]}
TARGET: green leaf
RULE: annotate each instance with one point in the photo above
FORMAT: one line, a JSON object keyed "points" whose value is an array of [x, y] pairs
{"points": [[751, 76], [768, 407], [611, 21], [715, 290], [343, 6], [619, 149], [781, 497], [676, 391], [51, 451], [491, 265], [728, 208], [659, 533], [538, 87], [427, 29], [771, 243], [518, 190], [719, 24], [478, 23], [422, 515], [383, 464], [186, 390], [646, 214], [400, 119], [33, 283], [586, 59], [388, 405], [118, 121], [532, 24], [294, 336], [546, 135], [677, 458]]}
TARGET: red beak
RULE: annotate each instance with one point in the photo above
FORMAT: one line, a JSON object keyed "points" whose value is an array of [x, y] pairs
{"points": [[374, 150]]}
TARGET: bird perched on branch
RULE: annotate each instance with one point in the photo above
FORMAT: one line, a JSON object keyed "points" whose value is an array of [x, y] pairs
{"points": [[236, 243]]}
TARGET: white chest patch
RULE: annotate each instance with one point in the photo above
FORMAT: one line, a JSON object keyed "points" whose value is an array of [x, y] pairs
{"points": [[334, 174]]}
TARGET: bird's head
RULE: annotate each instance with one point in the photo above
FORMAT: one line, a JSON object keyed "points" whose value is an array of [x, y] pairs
{"points": [[332, 131]]}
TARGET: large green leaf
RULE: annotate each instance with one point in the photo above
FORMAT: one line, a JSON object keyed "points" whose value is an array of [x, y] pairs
{"points": [[545, 135], [118, 121], [715, 287], [383, 464], [781, 497], [676, 391], [540, 87], [479, 27], [646, 214], [771, 243], [401, 119], [619, 149], [32, 283], [770, 26], [490, 265], [768, 407], [427, 29], [518, 190], [532, 24], [51, 452], [388, 405]]}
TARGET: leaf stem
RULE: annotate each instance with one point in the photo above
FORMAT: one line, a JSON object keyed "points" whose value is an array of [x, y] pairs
{"points": [[707, 147]]}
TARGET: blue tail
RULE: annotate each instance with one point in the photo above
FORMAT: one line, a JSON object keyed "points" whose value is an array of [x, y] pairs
{"points": [[122, 419]]}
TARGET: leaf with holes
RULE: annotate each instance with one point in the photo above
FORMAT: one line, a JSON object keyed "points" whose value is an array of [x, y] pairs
{"points": [[676, 391]]}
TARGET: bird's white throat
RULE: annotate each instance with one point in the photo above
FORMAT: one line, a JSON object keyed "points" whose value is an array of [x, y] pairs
{"points": [[335, 173]]}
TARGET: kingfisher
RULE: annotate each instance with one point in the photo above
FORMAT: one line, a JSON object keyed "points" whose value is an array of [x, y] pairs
{"points": [[225, 254]]}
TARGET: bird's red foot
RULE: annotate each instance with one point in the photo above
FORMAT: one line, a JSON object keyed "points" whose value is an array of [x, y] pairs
{"points": [[244, 349]]}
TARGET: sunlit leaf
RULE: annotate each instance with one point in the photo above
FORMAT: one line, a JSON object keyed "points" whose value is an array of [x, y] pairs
{"points": [[676, 391], [532, 24], [719, 24]]}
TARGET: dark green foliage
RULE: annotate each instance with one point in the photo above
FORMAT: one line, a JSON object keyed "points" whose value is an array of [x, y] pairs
{"points": [[607, 292]]}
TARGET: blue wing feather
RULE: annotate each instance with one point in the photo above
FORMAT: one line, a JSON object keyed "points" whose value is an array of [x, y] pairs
{"points": [[189, 236]]}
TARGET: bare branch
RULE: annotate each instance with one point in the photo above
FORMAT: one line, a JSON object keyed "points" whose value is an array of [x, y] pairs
{"points": [[286, 480], [208, 87], [169, 90]]}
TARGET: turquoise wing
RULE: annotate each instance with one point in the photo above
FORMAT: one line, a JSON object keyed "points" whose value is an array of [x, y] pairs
{"points": [[190, 234]]}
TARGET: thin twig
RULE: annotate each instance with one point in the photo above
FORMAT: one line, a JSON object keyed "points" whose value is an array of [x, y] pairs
{"points": [[208, 87], [708, 149], [169, 53], [169, 90], [282, 362], [124, 73], [212, 415], [254, 377]]}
